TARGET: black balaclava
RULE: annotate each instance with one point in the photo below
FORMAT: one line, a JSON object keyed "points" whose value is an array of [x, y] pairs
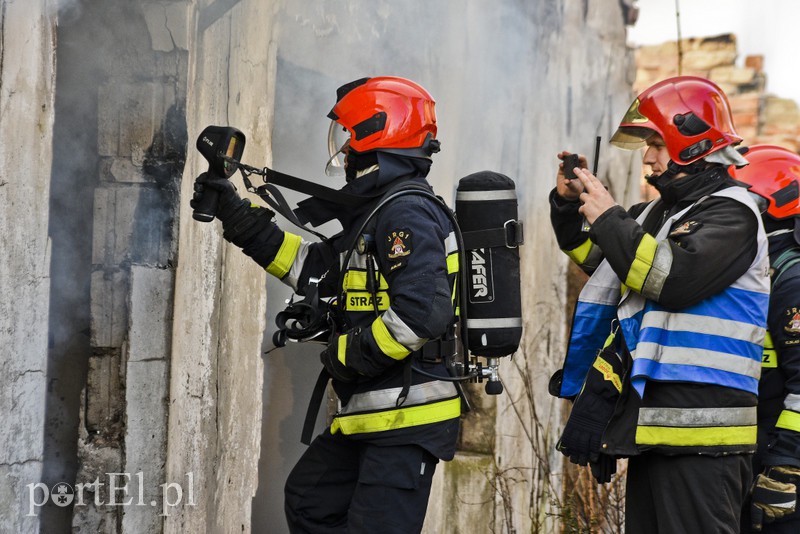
{"points": [[672, 189]]}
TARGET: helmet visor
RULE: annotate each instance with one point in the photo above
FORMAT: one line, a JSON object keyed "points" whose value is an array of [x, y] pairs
{"points": [[633, 129], [338, 142]]}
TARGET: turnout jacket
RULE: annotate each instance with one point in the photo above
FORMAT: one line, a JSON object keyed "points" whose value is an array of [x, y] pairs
{"points": [[682, 282], [779, 388], [390, 303]]}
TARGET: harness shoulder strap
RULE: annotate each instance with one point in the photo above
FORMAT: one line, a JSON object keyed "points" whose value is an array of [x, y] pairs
{"points": [[786, 260]]}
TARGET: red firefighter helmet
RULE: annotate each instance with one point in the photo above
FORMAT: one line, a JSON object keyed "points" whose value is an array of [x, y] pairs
{"points": [[774, 175], [384, 113], [691, 114]]}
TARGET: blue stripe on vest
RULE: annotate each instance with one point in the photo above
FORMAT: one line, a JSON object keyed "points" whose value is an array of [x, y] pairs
{"points": [[734, 304], [644, 370], [694, 340], [591, 325]]}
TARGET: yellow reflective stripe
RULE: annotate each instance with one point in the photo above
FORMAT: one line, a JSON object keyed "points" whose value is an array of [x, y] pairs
{"points": [[769, 358], [642, 263], [286, 254], [579, 255], [400, 418], [358, 280], [362, 301], [452, 263], [341, 349], [696, 437], [789, 420], [388, 344]]}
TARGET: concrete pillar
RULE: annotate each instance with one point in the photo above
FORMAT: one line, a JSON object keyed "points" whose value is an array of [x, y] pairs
{"points": [[27, 72]]}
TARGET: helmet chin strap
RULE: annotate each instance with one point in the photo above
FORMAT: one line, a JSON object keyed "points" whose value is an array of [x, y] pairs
{"points": [[673, 169]]}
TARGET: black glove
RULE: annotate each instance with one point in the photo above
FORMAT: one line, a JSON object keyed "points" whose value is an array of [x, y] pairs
{"points": [[241, 220], [227, 197], [774, 495], [603, 467], [591, 412], [330, 359]]}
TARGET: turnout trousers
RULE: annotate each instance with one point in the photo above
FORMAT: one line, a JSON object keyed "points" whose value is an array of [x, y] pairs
{"points": [[686, 493], [341, 486]]}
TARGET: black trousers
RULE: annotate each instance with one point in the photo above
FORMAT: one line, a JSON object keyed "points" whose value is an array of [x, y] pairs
{"points": [[346, 486], [686, 494]]}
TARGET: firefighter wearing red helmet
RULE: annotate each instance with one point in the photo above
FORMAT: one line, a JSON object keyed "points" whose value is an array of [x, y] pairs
{"points": [[774, 177], [371, 469], [677, 301]]}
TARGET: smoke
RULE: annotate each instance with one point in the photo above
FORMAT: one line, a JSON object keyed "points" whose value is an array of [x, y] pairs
{"points": [[67, 10]]}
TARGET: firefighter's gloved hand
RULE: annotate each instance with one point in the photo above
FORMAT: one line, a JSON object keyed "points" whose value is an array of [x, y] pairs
{"points": [[603, 468], [593, 408], [330, 359], [228, 198], [241, 220], [773, 496]]}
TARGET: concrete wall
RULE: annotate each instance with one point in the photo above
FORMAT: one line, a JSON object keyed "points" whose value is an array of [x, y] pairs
{"points": [[27, 72], [216, 375]]}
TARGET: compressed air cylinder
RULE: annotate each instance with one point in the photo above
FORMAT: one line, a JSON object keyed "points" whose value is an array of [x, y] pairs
{"points": [[486, 209]]}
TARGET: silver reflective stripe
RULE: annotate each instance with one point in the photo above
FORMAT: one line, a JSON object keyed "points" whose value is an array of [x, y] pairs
{"points": [[451, 243], [401, 332], [698, 358], [698, 417], [357, 261], [603, 287], [662, 263], [478, 196], [757, 277], [297, 265], [384, 399], [704, 324], [792, 402], [505, 322]]}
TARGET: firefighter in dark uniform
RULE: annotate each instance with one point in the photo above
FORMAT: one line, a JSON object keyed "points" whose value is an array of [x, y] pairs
{"points": [[774, 176], [371, 470], [678, 300]]}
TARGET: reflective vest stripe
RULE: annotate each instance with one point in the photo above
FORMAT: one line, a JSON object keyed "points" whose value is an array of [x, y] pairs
{"points": [[689, 351], [728, 328], [696, 437], [698, 417], [386, 342], [383, 399], [642, 262], [769, 358], [357, 279], [693, 427], [789, 420], [286, 255], [398, 418]]}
